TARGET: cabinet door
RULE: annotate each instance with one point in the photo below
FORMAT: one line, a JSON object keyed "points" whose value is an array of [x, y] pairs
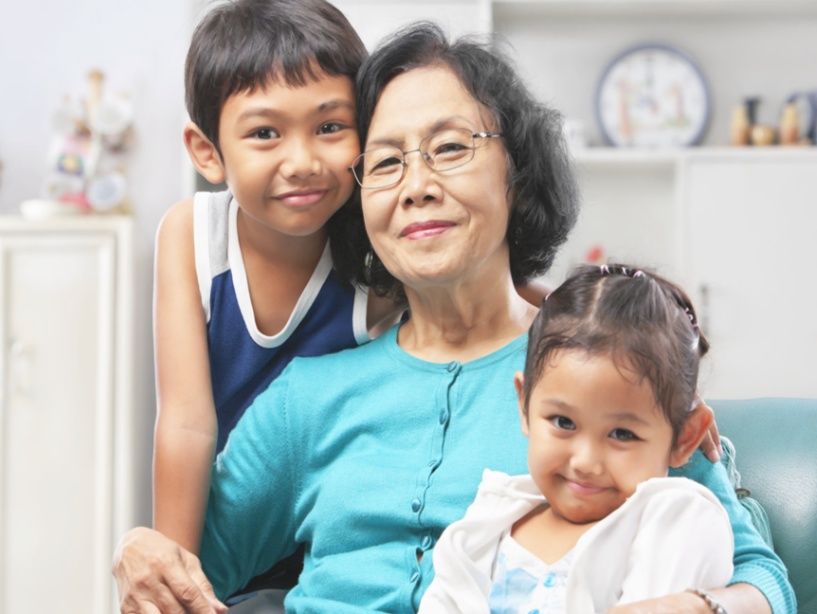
{"points": [[750, 252], [56, 423]]}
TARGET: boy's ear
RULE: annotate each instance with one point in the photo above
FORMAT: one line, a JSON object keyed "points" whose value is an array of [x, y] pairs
{"points": [[691, 435], [203, 153], [519, 384]]}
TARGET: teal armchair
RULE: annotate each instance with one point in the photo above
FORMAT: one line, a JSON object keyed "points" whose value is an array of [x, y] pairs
{"points": [[776, 443]]}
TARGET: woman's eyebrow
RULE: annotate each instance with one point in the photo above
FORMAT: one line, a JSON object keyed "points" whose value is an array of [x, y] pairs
{"points": [[439, 124]]}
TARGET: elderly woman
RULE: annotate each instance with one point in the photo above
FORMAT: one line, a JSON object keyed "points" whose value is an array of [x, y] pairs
{"points": [[367, 455]]}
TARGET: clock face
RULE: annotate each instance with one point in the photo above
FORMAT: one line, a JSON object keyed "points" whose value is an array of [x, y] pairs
{"points": [[652, 96]]}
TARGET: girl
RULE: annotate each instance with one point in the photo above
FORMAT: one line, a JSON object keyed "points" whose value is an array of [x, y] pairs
{"points": [[608, 403]]}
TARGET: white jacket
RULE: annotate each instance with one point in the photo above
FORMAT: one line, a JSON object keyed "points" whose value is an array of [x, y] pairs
{"points": [[670, 535]]}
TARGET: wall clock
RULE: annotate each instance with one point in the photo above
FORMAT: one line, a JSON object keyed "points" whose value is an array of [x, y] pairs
{"points": [[652, 95]]}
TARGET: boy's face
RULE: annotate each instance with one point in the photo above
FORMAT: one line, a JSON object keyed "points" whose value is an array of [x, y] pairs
{"points": [[594, 434], [286, 152]]}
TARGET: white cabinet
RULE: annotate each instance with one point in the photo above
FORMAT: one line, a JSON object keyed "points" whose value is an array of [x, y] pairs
{"points": [[750, 259], [65, 415]]}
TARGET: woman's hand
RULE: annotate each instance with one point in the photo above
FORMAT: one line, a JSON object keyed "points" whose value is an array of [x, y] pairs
{"points": [[157, 576], [711, 444], [678, 603]]}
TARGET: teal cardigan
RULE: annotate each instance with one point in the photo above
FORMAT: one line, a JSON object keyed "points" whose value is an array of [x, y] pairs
{"points": [[365, 456]]}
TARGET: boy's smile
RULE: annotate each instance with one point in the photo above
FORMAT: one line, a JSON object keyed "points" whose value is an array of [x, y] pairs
{"points": [[285, 152]]}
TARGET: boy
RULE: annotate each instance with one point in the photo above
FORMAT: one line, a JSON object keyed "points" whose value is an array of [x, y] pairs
{"points": [[244, 279]]}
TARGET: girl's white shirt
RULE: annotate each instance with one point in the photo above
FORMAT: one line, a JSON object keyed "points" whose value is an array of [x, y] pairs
{"points": [[670, 535]]}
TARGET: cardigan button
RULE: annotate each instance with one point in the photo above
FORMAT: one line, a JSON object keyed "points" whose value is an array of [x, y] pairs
{"points": [[443, 416], [427, 542], [414, 577], [452, 366], [416, 505]]}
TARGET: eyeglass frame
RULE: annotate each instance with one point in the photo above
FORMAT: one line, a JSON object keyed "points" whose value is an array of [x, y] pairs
{"points": [[484, 134]]}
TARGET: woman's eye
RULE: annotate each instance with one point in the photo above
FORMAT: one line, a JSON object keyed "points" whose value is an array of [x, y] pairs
{"points": [[265, 134], [624, 435], [331, 128], [384, 165], [562, 422], [446, 148]]}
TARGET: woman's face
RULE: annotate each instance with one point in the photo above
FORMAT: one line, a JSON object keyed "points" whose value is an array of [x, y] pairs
{"points": [[437, 229]]}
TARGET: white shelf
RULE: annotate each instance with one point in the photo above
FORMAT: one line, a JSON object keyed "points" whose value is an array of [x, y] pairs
{"points": [[601, 157], [617, 8]]}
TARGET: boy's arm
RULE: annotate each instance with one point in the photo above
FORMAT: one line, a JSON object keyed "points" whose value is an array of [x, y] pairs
{"points": [[533, 291], [186, 426]]}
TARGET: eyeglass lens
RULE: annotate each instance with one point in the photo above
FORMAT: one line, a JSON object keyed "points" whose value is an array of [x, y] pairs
{"points": [[444, 150]]}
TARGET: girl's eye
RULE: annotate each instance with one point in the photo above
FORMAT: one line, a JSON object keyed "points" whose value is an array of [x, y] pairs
{"points": [[330, 128], [563, 423], [624, 435], [265, 134]]}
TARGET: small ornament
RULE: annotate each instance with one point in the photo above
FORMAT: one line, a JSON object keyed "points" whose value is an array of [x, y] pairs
{"points": [[762, 135], [740, 128], [86, 160], [790, 125]]}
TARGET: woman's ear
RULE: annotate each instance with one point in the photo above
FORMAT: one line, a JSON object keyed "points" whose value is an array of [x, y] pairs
{"points": [[691, 435], [203, 153], [519, 384]]}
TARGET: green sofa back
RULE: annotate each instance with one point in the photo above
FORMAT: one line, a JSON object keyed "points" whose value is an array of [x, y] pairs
{"points": [[776, 444]]}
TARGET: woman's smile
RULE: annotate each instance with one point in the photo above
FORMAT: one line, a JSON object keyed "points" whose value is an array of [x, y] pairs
{"points": [[424, 230]]}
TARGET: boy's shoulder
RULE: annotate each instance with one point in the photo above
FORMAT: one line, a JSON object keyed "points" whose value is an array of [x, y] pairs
{"points": [[177, 220]]}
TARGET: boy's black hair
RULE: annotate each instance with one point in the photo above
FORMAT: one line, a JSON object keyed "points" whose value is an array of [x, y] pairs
{"points": [[644, 322], [244, 44], [541, 184]]}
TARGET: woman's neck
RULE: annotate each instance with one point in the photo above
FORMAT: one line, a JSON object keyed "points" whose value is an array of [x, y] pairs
{"points": [[464, 321]]}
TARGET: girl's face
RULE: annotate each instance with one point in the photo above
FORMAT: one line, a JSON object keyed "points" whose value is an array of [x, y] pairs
{"points": [[437, 229], [595, 433]]}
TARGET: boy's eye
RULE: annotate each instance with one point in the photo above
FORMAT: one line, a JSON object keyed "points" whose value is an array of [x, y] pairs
{"points": [[331, 128], [265, 134], [562, 422], [624, 435]]}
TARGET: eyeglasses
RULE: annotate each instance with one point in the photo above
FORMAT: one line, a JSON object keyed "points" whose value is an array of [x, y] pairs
{"points": [[443, 151]]}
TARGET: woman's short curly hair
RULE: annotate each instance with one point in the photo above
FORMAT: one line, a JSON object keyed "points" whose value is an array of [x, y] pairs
{"points": [[541, 183]]}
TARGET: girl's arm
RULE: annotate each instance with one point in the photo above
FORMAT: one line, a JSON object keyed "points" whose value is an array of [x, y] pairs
{"points": [[186, 426]]}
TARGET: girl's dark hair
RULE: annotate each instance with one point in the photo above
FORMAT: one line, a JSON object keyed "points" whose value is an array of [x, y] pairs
{"points": [[644, 322], [243, 44], [541, 184]]}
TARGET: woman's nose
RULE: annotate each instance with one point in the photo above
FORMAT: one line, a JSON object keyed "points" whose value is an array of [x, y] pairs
{"points": [[419, 185]]}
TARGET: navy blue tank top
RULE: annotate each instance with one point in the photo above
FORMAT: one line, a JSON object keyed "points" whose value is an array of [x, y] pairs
{"points": [[330, 314]]}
